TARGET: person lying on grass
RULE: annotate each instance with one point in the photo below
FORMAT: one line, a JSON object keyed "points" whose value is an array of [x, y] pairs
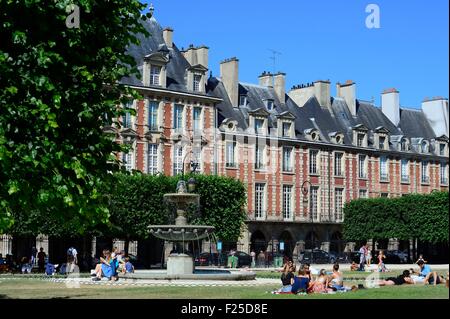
{"points": [[402, 279]]}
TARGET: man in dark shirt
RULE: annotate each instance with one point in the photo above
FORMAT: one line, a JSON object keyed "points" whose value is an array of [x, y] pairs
{"points": [[41, 259]]}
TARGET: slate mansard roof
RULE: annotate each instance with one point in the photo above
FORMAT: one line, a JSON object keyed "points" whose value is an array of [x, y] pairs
{"points": [[327, 121]]}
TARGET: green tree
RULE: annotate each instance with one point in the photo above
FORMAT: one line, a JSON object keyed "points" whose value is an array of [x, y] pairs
{"points": [[58, 89]]}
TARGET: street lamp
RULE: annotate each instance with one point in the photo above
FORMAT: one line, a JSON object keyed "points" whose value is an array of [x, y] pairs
{"points": [[305, 191]]}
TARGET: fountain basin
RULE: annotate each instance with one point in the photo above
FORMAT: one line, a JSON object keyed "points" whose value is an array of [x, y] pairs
{"points": [[181, 233], [213, 274]]}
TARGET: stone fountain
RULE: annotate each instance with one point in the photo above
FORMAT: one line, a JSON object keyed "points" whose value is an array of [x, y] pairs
{"points": [[178, 262]]}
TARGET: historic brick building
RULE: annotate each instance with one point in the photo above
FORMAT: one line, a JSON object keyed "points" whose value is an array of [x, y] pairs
{"points": [[301, 154]]}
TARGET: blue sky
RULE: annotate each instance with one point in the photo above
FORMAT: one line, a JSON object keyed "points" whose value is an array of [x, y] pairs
{"points": [[323, 39]]}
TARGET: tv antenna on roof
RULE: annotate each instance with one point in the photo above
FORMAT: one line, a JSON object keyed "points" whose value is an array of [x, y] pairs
{"points": [[274, 58]]}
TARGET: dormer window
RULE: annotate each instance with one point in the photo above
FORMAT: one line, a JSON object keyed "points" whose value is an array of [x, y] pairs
{"points": [[441, 149], [287, 129], [155, 73], [404, 145], [155, 70], [360, 139], [382, 142], [381, 137], [197, 81], [425, 147], [337, 138], [269, 105], [312, 135], [243, 100], [259, 126], [360, 135]]}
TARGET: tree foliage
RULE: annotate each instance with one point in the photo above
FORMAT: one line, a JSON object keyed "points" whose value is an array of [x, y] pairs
{"points": [[58, 88], [425, 217]]}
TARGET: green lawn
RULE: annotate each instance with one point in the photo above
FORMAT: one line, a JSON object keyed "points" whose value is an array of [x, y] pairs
{"points": [[32, 288]]}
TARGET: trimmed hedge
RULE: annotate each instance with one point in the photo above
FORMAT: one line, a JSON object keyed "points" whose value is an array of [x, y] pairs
{"points": [[425, 217], [136, 201]]}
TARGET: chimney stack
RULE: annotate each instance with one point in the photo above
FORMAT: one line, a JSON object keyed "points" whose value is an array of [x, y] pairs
{"points": [[202, 55], [168, 37], [436, 112], [280, 86], [322, 93], [347, 91], [390, 105], [266, 79], [229, 72]]}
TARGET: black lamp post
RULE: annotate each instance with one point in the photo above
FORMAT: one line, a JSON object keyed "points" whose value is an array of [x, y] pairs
{"points": [[305, 191]]}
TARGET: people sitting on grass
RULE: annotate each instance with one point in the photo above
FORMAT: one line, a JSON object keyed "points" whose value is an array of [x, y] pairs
{"points": [[354, 266], [426, 275], [404, 278], [301, 283], [25, 265], [129, 268], [287, 278], [320, 285], [106, 268]]}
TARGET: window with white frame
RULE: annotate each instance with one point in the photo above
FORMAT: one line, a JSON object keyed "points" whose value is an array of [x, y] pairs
{"points": [[286, 129], [362, 167], [259, 126], [425, 173], [260, 198], [444, 174], [384, 172], [178, 117], [405, 170], [360, 139], [259, 156], [404, 145], [153, 116], [152, 159], [128, 160], [197, 157], [362, 193], [127, 117], [197, 119], [313, 162], [178, 160], [339, 203], [230, 154], [287, 159], [382, 142], [197, 81], [269, 104], [338, 164], [441, 149], [287, 201], [243, 100], [155, 73], [313, 202], [425, 148]]}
